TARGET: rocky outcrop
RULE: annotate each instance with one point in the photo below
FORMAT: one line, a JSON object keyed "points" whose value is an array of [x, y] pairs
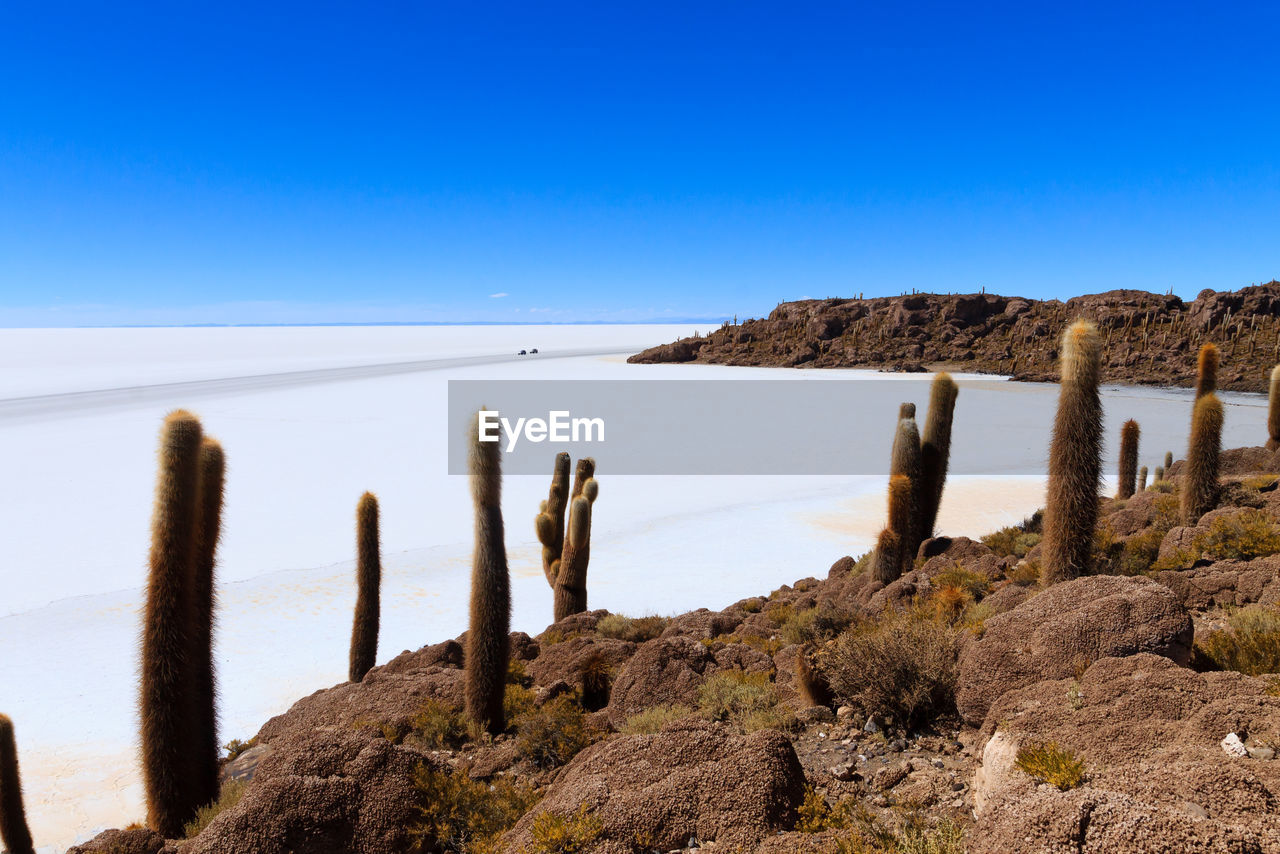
{"points": [[1059, 632], [692, 780], [1157, 779], [1152, 338]]}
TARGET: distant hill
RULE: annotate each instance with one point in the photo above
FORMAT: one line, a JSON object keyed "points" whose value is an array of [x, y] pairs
{"points": [[1151, 339]]}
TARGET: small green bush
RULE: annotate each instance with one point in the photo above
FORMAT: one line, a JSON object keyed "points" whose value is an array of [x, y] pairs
{"points": [[439, 725], [749, 701], [634, 629], [899, 664], [516, 701], [1016, 540], [554, 834], [235, 747], [653, 719], [1250, 643], [460, 815], [228, 796], [1049, 763], [1240, 536], [815, 625], [553, 733]]}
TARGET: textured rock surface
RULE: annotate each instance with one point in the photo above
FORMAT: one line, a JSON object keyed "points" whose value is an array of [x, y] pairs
{"points": [[1062, 630], [1148, 732], [692, 780]]}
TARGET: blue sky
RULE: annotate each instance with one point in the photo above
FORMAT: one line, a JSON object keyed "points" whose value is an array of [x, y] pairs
{"points": [[413, 161]]}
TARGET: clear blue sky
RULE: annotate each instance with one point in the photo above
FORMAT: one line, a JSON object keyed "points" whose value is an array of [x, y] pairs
{"points": [[408, 161]]}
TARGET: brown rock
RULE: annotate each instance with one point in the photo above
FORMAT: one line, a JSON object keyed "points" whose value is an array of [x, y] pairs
{"points": [[663, 670], [140, 841], [693, 779], [1060, 631]]}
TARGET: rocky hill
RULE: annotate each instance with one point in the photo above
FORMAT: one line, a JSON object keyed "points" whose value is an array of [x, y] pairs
{"points": [[1150, 339]]}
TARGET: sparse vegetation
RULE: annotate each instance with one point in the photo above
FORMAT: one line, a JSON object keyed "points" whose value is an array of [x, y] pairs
{"points": [[634, 629], [1240, 536], [908, 831], [653, 719], [228, 797], [553, 733], [815, 625], [1016, 540], [440, 725], [749, 701], [555, 834], [459, 815], [1049, 763], [1250, 643], [901, 664], [235, 747]]}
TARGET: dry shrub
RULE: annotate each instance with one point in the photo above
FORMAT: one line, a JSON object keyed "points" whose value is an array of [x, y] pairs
{"points": [[1241, 536], [555, 834], [1016, 540], [516, 701], [1049, 763], [1250, 643], [901, 664], [1025, 574], [228, 797], [460, 815], [235, 747], [749, 701], [518, 673], [634, 629], [552, 734], [653, 719], [440, 725], [815, 625], [904, 831]]}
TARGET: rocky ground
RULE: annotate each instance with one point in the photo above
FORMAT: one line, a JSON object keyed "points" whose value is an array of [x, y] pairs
{"points": [[1105, 714], [1151, 339]]}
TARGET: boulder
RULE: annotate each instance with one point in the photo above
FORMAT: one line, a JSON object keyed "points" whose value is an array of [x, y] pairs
{"points": [[1059, 632], [1148, 732], [136, 841], [1225, 583], [694, 780], [663, 670]]}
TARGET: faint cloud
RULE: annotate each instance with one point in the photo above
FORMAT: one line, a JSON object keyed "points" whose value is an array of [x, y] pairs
{"points": [[499, 295]]}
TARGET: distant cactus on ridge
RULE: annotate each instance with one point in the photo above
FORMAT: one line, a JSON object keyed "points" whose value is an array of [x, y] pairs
{"points": [[488, 641], [1200, 474], [364, 627], [1128, 459]]}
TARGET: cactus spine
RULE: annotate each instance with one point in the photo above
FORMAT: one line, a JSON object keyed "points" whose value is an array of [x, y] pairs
{"points": [[886, 563], [904, 511], [565, 557], [1207, 370], [166, 696], [204, 692], [13, 818], [1142, 479], [488, 641], [1071, 508], [1200, 476], [1128, 459], [364, 626], [1273, 411], [935, 450]]}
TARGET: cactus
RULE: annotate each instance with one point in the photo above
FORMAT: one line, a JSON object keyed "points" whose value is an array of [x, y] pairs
{"points": [[13, 818], [364, 626], [204, 694], [1071, 507], [811, 684], [1200, 476], [1207, 370], [905, 462], [886, 561], [488, 641], [565, 558], [1168, 461], [1142, 479], [166, 701], [1128, 459], [549, 523], [1159, 474], [935, 450], [1273, 411], [906, 410]]}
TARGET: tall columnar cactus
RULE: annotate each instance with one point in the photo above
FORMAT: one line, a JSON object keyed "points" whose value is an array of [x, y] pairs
{"points": [[905, 462], [935, 450], [1200, 476], [13, 818], [1159, 474], [565, 558], [166, 685], [1207, 370], [204, 691], [549, 523], [1142, 479], [1075, 459], [364, 626], [906, 410], [488, 642], [1168, 461], [571, 581], [1273, 411], [1128, 459]]}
